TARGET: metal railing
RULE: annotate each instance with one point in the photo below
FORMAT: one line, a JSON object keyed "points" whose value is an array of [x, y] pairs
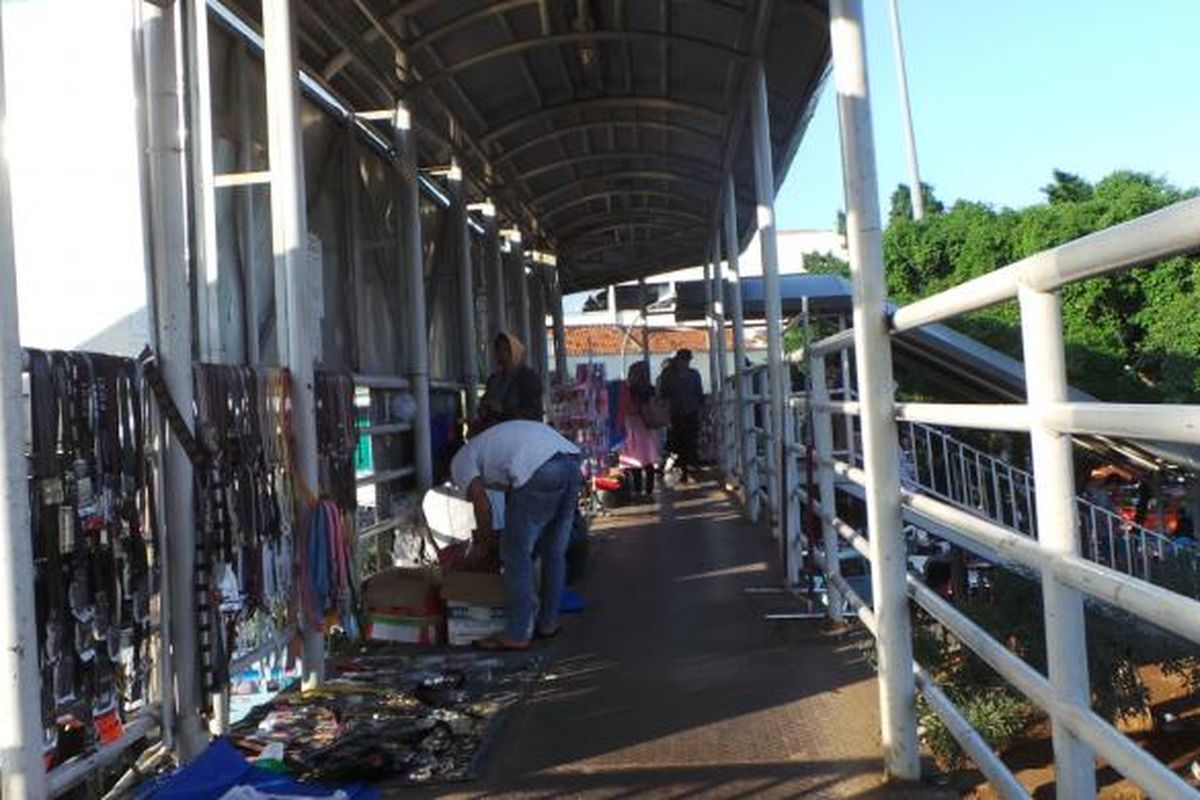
{"points": [[952, 470], [1079, 550]]}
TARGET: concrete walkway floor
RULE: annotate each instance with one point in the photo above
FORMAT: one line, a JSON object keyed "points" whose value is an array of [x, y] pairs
{"points": [[672, 685]]}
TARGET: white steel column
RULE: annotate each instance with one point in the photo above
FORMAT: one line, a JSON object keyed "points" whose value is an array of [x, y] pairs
{"points": [[22, 773], [289, 223], [494, 270], [172, 311], [466, 288], [743, 410], [413, 266], [1058, 526], [822, 422], [910, 141], [560, 331], [204, 206], [873, 347], [764, 182], [718, 314]]}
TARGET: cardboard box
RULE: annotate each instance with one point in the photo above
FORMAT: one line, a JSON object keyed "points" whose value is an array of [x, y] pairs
{"points": [[463, 632], [411, 588], [384, 627], [474, 589], [402, 604], [466, 611]]}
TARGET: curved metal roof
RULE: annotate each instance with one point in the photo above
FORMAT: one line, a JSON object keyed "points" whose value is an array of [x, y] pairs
{"points": [[602, 128]]}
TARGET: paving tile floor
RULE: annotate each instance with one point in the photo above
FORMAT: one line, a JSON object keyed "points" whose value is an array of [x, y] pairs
{"points": [[672, 685]]}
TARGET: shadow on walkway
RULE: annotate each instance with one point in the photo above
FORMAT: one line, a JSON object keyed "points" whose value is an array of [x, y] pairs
{"points": [[671, 685]]}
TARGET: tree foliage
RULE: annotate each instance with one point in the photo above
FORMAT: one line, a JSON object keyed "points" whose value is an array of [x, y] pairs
{"points": [[901, 207], [1131, 336]]}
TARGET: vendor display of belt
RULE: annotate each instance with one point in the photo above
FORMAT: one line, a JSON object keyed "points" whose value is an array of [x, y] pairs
{"points": [[93, 549], [245, 505]]}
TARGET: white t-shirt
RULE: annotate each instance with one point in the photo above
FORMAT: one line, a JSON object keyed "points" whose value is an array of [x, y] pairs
{"points": [[507, 455]]}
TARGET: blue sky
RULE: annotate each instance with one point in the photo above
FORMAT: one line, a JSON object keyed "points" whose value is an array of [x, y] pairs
{"points": [[1004, 92]]}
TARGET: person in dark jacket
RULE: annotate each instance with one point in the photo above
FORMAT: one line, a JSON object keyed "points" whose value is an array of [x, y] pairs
{"points": [[514, 390], [684, 393]]}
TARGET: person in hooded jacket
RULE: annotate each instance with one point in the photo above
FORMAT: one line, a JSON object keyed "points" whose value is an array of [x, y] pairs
{"points": [[514, 390]]}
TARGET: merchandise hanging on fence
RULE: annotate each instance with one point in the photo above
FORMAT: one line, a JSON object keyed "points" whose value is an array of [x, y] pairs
{"points": [[94, 556], [328, 569], [246, 508]]}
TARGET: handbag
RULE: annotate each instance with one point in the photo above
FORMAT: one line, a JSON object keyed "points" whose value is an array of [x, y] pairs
{"points": [[656, 413]]}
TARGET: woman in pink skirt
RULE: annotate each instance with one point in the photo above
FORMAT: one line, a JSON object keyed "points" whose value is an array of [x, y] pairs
{"points": [[639, 450]]}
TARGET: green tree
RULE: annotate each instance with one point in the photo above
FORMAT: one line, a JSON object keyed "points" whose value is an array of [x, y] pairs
{"points": [[1067, 188], [1132, 336], [902, 202]]}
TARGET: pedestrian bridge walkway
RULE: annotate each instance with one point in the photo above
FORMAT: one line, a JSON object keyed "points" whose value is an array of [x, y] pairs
{"points": [[672, 685]]}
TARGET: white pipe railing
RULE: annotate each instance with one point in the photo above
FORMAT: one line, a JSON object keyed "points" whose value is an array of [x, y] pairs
{"points": [[992, 505]]}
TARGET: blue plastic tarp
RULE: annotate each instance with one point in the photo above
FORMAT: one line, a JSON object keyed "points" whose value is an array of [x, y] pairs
{"points": [[221, 767]]}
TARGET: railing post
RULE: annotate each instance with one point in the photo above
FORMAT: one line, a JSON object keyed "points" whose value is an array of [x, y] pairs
{"points": [[411, 248], [793, 452], [764, 182], [466, 288], [742, 408], [1058, 527], [822, 422], [289, 223], [873, 354], [167, 297], [750, 449], [22, 774]]}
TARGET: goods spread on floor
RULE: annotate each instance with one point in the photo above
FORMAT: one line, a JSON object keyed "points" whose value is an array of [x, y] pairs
{"points": [[390, 715]]}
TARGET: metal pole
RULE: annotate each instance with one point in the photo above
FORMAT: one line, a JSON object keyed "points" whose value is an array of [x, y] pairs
{"points": [[718, 310], [466, 288], [644, 303], [764, 182], [1058, 525], [822, 422], [517, 259], [413, 266], [289, 223], [247, 209], [493, 263], [203, 214], [172, 312], [743, 411], [910, 141], [708, 326], [873, 348], [22, 773], [560, 330]]}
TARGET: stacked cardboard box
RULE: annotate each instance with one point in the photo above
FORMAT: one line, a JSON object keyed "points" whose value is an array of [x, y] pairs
{"points": [[474, 606], [402, 605]]}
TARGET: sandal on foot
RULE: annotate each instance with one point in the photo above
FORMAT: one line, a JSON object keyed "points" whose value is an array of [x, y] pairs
{"points": [[499, 643], [550, 634]]}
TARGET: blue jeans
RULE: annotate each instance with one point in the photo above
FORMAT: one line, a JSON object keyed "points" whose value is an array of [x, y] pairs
{"points": [[537, 522]]}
